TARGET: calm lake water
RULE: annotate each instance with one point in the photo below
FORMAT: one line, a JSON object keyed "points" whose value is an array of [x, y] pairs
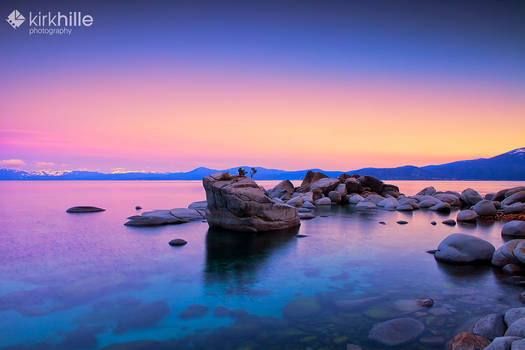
{"points": [[87, 282]]}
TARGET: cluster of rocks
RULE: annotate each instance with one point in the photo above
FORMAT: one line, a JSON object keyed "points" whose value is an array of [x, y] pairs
{"points": [[497, 331]]}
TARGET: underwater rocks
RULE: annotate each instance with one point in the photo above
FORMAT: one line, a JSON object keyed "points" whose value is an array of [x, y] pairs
{"points": [[459, 248], [237, 203], [301, 308], [84, 209], [397, 331]]}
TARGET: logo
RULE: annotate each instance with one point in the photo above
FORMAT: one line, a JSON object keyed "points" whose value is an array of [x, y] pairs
{"points": [[15, 19]]}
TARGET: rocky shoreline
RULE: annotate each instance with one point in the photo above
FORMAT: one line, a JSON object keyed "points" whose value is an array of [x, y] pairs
{"points": [[237, 203]]}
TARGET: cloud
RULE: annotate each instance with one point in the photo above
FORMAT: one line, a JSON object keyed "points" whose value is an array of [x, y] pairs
{"points": [[12, 163], [44, 164]]}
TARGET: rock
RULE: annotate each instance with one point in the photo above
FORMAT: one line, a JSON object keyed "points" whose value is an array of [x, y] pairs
{"points": [[502, 343], [194, 311], [519, 344], [515, 208], [200, 205], [335, 196], [310, 177], [323, 201], [516, 328], [390, 190], [325, 185], [427, 302], [490, 326], [519, 251], [397, 331], [402, 222], [514, 270], [365, 205], [307, 197], [450, 222], [354, 198], [490, 196], [353, 185], [308, 205], [428, 202], [504, 255], [517, 197], [156, 218], [238, 204], [382, 222], [187, 214], [433, 223], [374, 198], [138, 207], [470, 197], [177, 242], [84, 209], [485, 208], [341, 189], [427, 191], [468, 341], [441, 207], [467, 216], [317, 194], [389, 203], [369, 181], [301, 308], [296, 201], [448, 198], [514, 314], [459, 248], [282, 190], [404, 207], [514, 228], [306, 216]]}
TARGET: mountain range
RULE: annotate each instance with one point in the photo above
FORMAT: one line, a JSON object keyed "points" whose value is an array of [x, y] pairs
{"points": [[506, 166]]}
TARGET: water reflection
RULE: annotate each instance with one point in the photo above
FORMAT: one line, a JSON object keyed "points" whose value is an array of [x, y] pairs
{"points": [[234, 256]]}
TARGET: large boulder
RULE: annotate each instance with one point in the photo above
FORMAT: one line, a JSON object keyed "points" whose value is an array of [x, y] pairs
{"points": [[490, 326], [459, 248], [470, 197], [326, 184], [282, 190], [428, 201], [502, 343], [485, 208], [369, 181], [501, 195], [514, 208], [514, 314], [518, 197], [389, 203], [341, 188], [238, 204], [467, 216], [390, 190], [514, 228], [504, 255], [519, 251], [353, 185], [309, 178], [449, 198], [354, 198], [397, 331], [516, 328], [427, 191], [335, 196], [441, 207]]}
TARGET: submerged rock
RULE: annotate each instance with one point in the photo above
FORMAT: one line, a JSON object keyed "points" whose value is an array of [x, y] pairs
{"points": [[397, 331], [459, 248], [238, 204], [302, 307], [84, 209], [468, 341]]}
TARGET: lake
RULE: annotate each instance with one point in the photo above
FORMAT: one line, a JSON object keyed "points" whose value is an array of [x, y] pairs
{"points": [[85, 281]]}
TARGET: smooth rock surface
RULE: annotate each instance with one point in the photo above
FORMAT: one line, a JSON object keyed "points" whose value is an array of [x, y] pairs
{"points": [[282, 190], [397, 331], [514, 228], [464, 249], [501, 343], [514, 314], [516, 328], [84, 209], [485, 208], [504, 255], [467, 216], [490, 326], [470, 197]]}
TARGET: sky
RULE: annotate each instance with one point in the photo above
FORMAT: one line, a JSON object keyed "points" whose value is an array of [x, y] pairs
{"points": [[337, 85]]}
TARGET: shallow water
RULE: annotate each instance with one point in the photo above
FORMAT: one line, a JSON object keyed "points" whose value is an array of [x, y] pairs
{"points": [[85, 281]]}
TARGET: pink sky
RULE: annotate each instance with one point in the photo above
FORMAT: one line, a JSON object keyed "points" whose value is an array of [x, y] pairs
{"points": [[177, 120]]}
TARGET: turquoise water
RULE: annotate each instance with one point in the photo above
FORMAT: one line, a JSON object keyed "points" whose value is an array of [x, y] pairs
{"points": [[88, 282]]}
